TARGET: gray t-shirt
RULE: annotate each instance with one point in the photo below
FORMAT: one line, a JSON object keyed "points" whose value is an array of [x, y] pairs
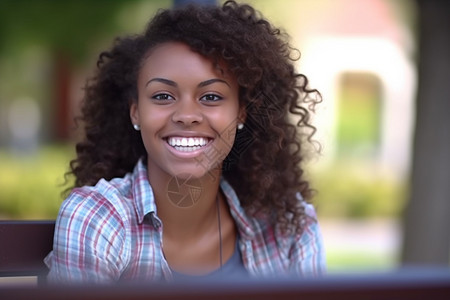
{"points": [[232, 268]]}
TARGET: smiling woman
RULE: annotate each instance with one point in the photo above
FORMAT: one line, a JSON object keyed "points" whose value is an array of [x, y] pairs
{"points": [[183, 117], [190, 165]]}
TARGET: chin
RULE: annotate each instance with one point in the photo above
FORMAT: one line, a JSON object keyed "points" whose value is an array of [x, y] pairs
{"points": [[198, 173]]}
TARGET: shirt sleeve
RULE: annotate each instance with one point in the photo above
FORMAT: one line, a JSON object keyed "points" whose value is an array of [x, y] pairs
{"points": [[88, 242], [307, 257]]}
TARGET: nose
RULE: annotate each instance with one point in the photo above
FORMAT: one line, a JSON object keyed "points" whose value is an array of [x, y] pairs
{"points": [[187, 112]]}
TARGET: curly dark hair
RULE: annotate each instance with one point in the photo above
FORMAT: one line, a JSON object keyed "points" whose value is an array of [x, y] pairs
{"points": [[264, 165]]}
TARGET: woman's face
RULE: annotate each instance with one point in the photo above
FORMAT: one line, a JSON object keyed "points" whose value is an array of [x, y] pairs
{"points": [[188, 111]]}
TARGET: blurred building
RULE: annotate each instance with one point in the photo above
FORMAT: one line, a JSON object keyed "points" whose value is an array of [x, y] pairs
{"points": [[359, 55]]}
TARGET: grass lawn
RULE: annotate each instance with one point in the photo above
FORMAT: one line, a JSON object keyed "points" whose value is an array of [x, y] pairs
{"points": [[31, 185], [342, 262]]}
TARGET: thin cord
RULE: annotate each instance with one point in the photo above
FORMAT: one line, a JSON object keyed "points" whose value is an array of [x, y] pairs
{"points": [[220, 229]]}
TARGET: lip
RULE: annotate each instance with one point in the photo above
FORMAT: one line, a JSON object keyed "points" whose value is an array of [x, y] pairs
{"points": [[187, 134]]}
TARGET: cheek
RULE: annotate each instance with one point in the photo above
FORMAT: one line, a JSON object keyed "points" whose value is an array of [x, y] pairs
{"points": [[152, 122], [153, 118], [226, 127]]}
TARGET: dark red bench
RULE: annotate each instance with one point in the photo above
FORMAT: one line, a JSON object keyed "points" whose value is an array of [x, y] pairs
{"points": [[23, 246]]}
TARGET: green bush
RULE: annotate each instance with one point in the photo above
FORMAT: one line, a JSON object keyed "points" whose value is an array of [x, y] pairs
{"points": [[31, 186], [357, 190]]}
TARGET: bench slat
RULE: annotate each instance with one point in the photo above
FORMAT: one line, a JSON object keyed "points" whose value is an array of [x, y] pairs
{"points": [[23, 246]]}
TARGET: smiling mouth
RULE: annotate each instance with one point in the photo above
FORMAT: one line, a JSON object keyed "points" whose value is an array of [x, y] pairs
{"points": [[187, 144]]}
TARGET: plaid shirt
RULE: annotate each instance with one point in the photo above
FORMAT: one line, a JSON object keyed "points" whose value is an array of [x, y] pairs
{"points": [[112, 232]]}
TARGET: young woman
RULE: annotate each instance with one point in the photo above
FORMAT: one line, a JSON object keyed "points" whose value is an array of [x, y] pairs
{"points": [[190, 165]]}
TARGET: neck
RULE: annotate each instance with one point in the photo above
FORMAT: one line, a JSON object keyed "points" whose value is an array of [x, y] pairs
{"points": [[186, 206]]}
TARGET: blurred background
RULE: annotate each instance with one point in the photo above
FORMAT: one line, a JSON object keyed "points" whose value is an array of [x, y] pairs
{"points": [[382, 177]]}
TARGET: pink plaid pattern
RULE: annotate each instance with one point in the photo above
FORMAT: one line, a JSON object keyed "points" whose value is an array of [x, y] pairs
{"points": [[111, 232]]}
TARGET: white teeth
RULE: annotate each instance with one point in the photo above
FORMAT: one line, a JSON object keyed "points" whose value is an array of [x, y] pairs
{"points": [[187, 149], [187, 143]]}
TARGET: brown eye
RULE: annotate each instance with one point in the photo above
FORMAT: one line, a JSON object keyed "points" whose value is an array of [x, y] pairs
{"points": [[162, 97], [211, 98]]}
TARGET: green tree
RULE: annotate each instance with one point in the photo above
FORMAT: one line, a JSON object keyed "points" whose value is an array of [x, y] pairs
{"points": [[68, 30]]}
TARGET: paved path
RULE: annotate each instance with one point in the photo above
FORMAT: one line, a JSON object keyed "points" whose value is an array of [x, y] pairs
{"points": [[378, 238]]}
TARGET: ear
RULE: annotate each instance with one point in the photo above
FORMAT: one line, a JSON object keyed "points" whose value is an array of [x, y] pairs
{"points": [[134, 112], [242, 114]]}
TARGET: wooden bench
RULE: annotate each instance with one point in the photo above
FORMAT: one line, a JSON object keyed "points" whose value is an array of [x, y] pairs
{"points": [[23, 246]]}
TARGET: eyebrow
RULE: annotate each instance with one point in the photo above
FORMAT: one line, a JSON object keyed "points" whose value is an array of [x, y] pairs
{"points": [[174, 84], [211, 81], [162, 80]]}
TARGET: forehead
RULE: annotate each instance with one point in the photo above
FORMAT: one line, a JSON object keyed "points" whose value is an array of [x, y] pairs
{"points": [[177, 58]]}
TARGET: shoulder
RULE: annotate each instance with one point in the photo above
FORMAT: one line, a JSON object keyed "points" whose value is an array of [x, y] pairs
{"points": [[301, 253], [104, 202], [308, 239], [268, 221], [306, 250], [92, 235], [311, 228], [92, 218]]}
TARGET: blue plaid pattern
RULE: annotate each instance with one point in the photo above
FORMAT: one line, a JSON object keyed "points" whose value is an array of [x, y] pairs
{"points": [[111, 232]]}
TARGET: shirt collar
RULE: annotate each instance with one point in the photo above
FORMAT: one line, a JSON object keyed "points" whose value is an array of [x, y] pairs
{"points": [[145, 200], [142, 192], [244, 223]]}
